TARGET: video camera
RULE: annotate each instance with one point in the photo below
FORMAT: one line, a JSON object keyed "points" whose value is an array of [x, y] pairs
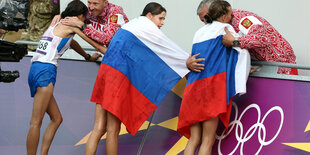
{"points": [[13, 16]]}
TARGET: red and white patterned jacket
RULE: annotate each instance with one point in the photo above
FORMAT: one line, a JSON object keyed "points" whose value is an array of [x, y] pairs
{"points": [[103, 27], [263, 41]]}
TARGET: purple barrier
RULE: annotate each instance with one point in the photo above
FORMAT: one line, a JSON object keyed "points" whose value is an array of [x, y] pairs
{"points": [[272, 118], [74, 84]]}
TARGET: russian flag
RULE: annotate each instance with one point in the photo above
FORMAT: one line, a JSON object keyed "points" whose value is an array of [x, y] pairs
{"points": [[208, 94], [139, 68]]}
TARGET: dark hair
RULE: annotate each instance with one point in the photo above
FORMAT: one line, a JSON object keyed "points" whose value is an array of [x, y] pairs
{"points": [[154, 8], [75, 8], [216, 10]]}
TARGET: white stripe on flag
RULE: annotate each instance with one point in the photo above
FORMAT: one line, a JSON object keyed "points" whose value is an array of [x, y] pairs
{"points": [[243, 66], [147, 32]]}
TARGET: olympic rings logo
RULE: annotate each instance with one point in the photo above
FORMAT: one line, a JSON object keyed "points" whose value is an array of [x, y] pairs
{"points": [[239, 133]]}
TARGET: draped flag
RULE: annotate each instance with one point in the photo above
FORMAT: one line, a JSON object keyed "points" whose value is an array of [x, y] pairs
{"points": [[139, 68], [209, 93]]}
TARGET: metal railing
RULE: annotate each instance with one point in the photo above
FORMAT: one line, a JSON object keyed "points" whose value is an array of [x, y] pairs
{"points": [[36, 44], [267, 70]]}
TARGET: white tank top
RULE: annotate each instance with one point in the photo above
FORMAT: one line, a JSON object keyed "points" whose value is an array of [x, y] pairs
{"points": [[51, 47]]}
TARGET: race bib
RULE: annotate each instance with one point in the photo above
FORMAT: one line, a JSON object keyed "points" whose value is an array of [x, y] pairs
{"points": [[44, 45]]}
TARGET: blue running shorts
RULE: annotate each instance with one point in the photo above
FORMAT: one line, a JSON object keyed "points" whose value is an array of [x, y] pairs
{"points": [[41, 75]]}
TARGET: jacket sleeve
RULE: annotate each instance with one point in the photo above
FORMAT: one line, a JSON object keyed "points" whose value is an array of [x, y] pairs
{"points": [[103, 37], [256, 38]]}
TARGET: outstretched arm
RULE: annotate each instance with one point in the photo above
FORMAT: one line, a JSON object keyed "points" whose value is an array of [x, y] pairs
{"points": [[76, 47], [97, 46], [255, 39]]}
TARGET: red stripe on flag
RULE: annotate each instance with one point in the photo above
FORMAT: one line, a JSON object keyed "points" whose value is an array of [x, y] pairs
{"points": [[204, 99], [117, 95]]}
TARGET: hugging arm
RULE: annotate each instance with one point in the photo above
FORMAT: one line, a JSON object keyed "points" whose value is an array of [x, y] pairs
{"points": [[98, 47]]}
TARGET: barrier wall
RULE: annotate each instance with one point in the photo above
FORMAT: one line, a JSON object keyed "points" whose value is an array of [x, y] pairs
{"points": [[272, 118]]}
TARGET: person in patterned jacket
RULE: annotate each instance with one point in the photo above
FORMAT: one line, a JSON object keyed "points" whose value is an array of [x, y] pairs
{"points": [[262, 40], [102, 22]]}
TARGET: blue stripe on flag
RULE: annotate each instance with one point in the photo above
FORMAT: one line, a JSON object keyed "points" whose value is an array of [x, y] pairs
{"points": [[218, 59], [145, 70], [213, 52]]}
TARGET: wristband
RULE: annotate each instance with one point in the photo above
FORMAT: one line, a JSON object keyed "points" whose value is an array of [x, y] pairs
{"points": [[83, 27], [88, 58]]}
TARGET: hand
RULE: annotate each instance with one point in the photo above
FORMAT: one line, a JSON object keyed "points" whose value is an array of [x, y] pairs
{"points": [[255, 69], [72, 21], [55, 20], [94, 57], [101, 49], [228, 38], [192, 63]]}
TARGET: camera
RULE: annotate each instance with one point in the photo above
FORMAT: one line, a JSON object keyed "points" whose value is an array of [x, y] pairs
{"points": [[13, 16], [11, 52], [8, 76]]}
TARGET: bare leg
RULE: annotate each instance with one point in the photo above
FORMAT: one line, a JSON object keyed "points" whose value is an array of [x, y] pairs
{"points": [[40, 104], [113, 129], [208, 135], [194, 140], [56, 119], [98, 131]]}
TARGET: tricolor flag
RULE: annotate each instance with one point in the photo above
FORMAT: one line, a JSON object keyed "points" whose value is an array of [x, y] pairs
{"points": [[139, 68], [209, 94]]}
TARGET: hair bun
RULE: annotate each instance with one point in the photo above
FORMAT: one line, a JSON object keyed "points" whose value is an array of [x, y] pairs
{"points": [[208, 18]]}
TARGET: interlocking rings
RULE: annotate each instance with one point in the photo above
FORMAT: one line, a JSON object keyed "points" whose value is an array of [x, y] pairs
{"points": [[242, 138]]}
